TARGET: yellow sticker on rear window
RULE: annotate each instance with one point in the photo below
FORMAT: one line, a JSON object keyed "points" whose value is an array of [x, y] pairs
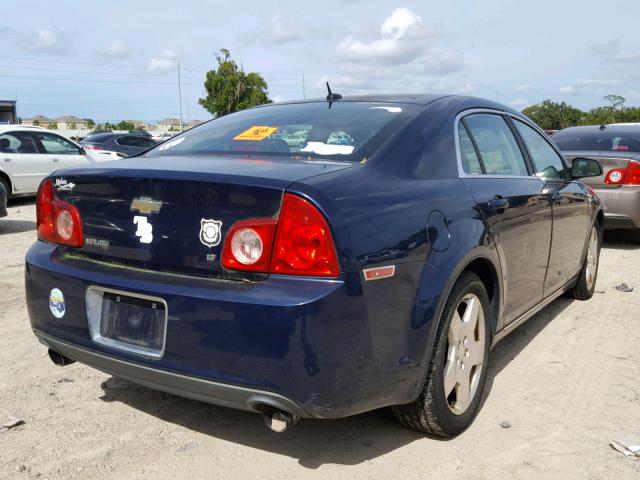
{"points": [[258, 132]]}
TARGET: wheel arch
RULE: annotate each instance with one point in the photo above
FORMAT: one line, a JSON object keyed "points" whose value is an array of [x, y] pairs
{"points": [[5, 176]]}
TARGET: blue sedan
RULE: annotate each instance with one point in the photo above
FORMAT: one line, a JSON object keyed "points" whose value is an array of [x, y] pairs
{"points": [[373, 262]]}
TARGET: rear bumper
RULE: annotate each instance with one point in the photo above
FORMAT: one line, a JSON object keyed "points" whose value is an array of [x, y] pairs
{"points": [[199, 389], [320, 348], [621, 206]]}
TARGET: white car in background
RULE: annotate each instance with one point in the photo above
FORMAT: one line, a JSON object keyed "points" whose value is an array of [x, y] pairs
{"points": [[28, 154]]}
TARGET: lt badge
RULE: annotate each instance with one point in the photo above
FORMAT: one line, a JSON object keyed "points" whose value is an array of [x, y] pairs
{"points": [[210, 232]]}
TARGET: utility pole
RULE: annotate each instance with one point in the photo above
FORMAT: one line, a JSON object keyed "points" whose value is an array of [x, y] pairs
{"points": [[180, 95], [303, 92]]}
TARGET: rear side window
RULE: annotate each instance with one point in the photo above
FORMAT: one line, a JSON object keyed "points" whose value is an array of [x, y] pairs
{"points": [[579, 139], [56, 145], [469, 157], [143, 142], [546, 161], [17, 142], [498, 149]]}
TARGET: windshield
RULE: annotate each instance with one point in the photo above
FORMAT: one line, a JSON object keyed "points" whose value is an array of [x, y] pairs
{"points": [[347, 131], [598, 141]]}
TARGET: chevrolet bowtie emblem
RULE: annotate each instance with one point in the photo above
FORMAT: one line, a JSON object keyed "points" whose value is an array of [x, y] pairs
{"points": [[146, 205]]}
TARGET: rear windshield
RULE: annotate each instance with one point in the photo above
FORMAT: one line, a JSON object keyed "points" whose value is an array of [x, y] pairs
{"points": [[340, 131], [600, 141]]}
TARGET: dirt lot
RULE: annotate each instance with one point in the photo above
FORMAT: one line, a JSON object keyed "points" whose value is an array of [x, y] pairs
{"points": [[567, 382]]}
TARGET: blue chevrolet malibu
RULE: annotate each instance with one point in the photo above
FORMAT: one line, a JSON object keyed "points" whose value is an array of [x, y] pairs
{"points": [[318, 258]]}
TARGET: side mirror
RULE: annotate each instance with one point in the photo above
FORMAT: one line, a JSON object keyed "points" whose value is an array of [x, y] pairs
{"points": [[585, 167], [82, 151]]}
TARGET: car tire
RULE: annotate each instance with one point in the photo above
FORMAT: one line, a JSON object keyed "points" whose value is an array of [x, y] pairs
{"points": [[438, 411], [586, 285], [7, 187]]}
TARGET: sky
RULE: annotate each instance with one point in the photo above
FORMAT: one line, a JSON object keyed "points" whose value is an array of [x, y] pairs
{"points": [[118, 60]]}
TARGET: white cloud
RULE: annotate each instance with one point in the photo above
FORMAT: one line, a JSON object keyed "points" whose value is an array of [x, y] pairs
{"points": [[165, 62], [117, 49], [589, 85], [401, 40], [612, 51], [280, 31], [397, 24], [39, 40]]}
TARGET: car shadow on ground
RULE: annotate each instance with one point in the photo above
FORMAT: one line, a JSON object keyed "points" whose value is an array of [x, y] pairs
{"points": [[621, 239], [347, 441], [20, 201], [9, 225]]}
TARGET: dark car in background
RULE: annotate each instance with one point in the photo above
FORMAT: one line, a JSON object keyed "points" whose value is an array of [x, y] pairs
{"points": [[372, 263], [617, 148], [126, 143]]}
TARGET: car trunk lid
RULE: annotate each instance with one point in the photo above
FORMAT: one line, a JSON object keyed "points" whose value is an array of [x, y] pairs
{"points": [[172, 214], [609, 161]]}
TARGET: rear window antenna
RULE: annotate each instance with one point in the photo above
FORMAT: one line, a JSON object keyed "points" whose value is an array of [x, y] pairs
{"points": [[332, 96], [603, 127]]}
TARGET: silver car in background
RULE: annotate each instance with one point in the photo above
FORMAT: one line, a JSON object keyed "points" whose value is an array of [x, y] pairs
{"points": [[617, 148]]}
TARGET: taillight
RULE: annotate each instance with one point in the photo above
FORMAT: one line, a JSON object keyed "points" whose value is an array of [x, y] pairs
{"points": [[303, 245], [624, 176], [299, 242], [632, 176], [91, 146], [58, 221], [615, 176], [248, 245]]}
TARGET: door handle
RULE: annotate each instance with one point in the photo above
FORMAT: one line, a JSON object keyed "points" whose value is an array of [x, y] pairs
{"points": [[556, 198], [54, 160], [498, 204], [7, 159]]}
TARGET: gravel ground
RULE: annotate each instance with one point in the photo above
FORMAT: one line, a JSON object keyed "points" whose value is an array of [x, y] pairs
{"points": [[566, 382]]}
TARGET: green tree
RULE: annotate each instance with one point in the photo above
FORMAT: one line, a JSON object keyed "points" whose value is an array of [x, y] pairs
{"points": [[90, 122], [230, 88], [36, 123], [554, 116], [122, 125], [73, 126], [52, 126]]}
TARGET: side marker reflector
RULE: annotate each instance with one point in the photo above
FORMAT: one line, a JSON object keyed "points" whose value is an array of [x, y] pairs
{"points": [[379, 273]]}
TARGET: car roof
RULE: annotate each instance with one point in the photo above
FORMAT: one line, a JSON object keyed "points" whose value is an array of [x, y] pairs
{"points": [[418, 99], [102, 137], [624, 128], [17, 127]]}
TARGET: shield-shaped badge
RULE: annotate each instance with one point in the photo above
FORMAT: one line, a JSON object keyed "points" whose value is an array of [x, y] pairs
{"points": [[210, 232]]}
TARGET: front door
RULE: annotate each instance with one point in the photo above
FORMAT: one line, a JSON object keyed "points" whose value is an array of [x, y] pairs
{"points": [[61, 152], [570, 207], [513, 204], [21, 160]]}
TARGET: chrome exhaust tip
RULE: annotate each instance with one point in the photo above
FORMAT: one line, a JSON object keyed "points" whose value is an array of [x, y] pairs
{"points": [[59, 359], [279, 421]]}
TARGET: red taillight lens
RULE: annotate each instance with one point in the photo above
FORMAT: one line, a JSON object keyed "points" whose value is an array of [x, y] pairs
{"points": [[248, 245], [58, 221], [615, 176], [91, 146], [299, 242], [303, 244], [632, 176]]}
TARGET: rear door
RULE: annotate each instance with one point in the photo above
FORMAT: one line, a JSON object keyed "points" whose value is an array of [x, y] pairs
{"points": [[21, 160], [61, 152], [512, 202], [569, 203], [134, 144]]}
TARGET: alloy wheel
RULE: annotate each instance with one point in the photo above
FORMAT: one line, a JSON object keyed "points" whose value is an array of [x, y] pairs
{"points": [[465, 354], [592, 258]]}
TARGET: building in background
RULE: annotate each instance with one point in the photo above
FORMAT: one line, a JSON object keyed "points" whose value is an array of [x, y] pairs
{"points": [[70, 122], [169, 124], [37, 121], [192, 123], [8, 111]]}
